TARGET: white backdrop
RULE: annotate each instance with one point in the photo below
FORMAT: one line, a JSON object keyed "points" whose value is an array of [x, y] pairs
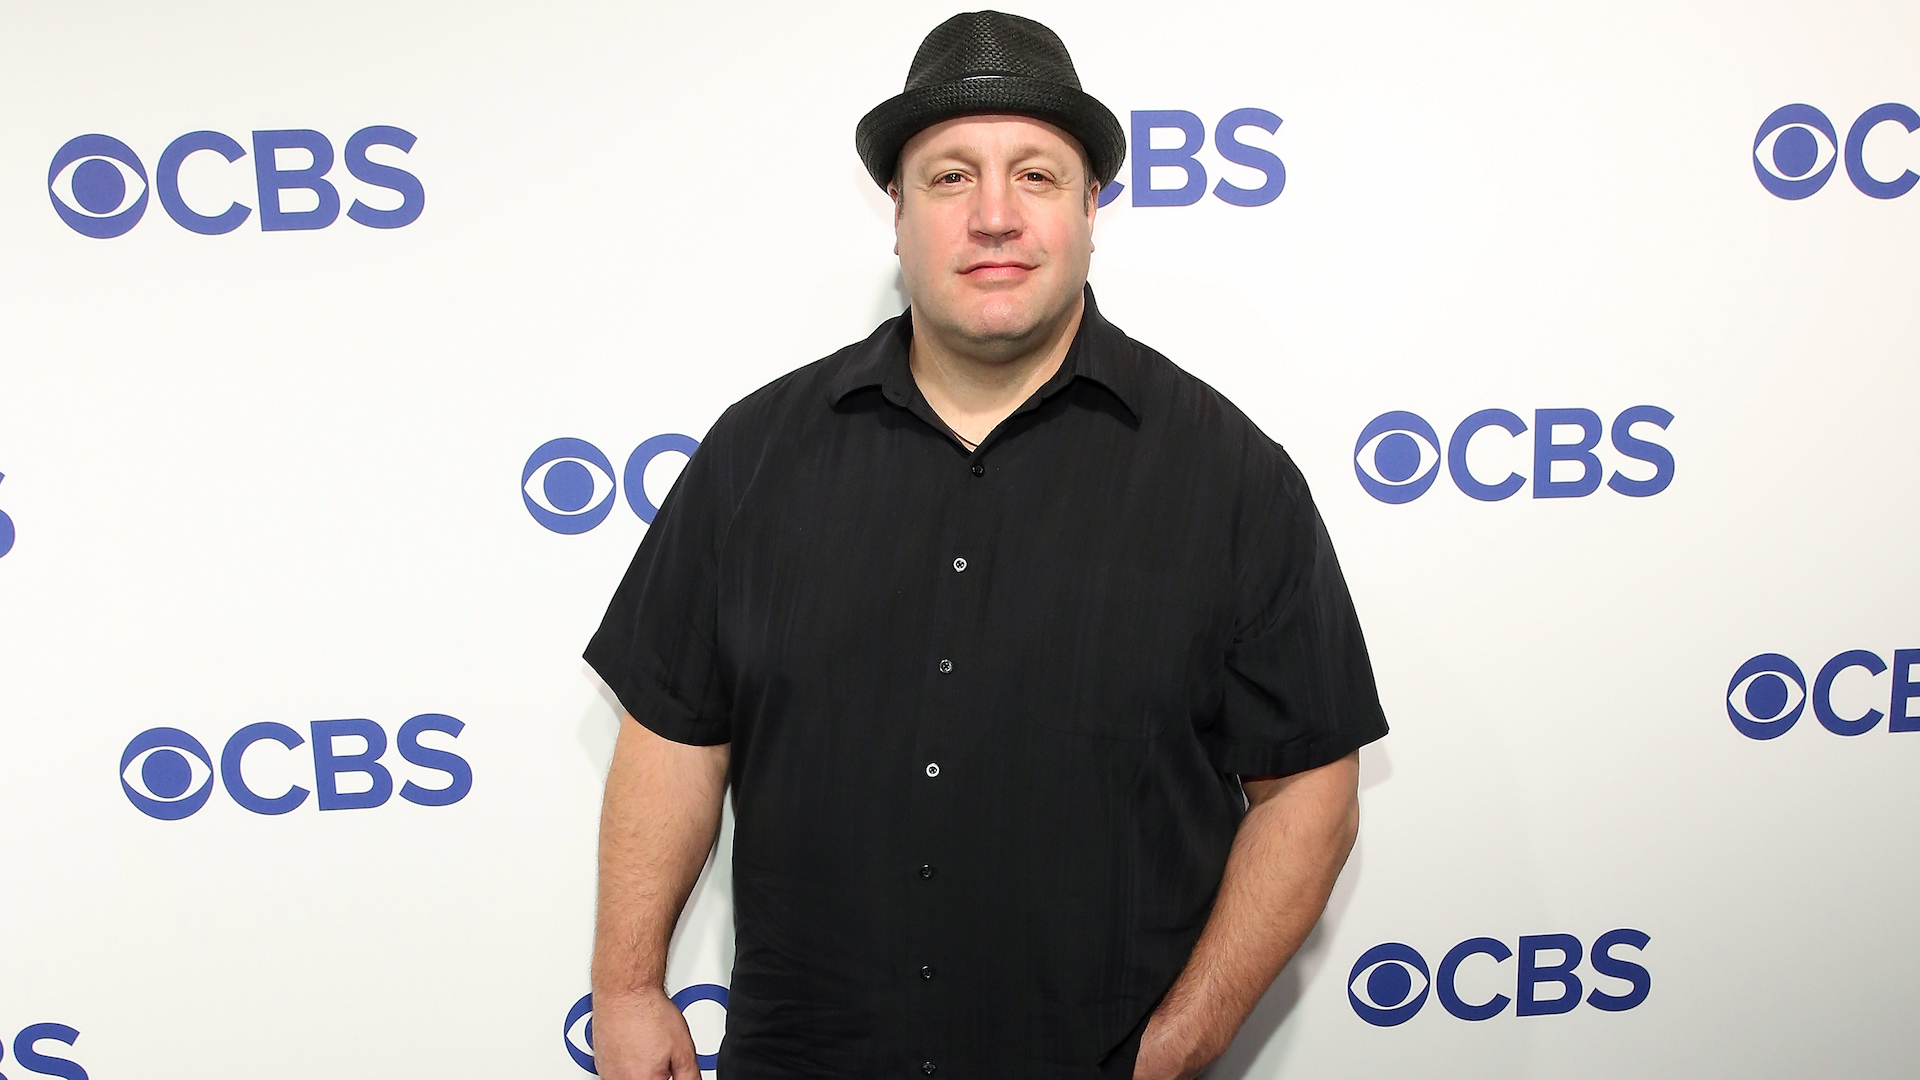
{"points": [[269, 477]]}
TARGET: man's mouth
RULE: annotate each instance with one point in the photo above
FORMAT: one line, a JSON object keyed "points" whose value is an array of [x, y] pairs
{"points": [[997, 270]]}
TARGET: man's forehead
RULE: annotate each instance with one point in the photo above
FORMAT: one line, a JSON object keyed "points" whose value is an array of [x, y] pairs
{"points": [[1013, 135]]}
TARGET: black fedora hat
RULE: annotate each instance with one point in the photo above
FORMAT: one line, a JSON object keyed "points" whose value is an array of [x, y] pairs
{"points": [[989, 62]]}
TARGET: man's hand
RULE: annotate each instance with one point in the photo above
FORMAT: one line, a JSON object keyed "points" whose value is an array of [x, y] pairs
{"points": [[1163, 1056], [1286, 856], [642, 1037]]}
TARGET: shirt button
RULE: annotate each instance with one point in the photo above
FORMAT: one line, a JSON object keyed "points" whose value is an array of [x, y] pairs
{"points": [[959, 566], [946, 666], [978, 470], [933, 768], [926, 870], [928, 1067], [927, 972]]}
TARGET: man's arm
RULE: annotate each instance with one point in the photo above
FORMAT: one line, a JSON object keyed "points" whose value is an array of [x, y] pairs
{"points": [[657, 825], [1285, 858]]}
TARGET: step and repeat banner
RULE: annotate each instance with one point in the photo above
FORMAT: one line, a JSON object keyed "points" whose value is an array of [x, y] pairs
{"points": [[347, 350]]}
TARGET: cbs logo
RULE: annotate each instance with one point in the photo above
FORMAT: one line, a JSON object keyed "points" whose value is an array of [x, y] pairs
{"points": [[167, 774], [568, 484], [1389, 983], [1193, 136], [27, 1055], [577, 1029], [1797, 148], [1768, 694], [1398, 455], [100, 188]]}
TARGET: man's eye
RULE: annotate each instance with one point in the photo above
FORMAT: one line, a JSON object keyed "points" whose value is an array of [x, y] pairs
{"points": [[1037, 177], [950, 178]]}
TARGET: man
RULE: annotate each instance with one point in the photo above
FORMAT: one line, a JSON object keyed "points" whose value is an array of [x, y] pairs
{"points": [[1024, 654]]}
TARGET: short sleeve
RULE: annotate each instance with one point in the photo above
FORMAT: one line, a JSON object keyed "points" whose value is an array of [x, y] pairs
{"points": [[1299, 690], [658, 645]]}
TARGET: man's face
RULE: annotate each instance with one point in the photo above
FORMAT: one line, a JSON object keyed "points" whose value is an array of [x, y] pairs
{"points": [[993, 223]]}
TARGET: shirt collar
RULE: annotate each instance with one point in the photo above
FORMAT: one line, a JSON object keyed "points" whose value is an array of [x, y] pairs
{"points": [[1101, 353]]}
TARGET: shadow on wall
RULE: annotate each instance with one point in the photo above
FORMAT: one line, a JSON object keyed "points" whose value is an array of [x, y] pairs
{"points": [[1263, 1024]]}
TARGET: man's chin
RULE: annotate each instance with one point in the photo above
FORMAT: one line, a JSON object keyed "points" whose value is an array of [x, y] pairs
{"points": [[999, 323], [1001, 318]]}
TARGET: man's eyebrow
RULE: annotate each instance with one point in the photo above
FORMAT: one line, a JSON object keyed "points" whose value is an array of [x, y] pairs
{"points": [[936, 163], [970, 153], [1026, 152]]}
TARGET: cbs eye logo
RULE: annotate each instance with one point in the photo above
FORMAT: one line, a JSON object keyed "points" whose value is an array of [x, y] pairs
{"points": [[1796, 149], [99, 186], [1398, 455], [568, 484], [167, 774], [577, 1029], [1390, 982], [1768, 694]]}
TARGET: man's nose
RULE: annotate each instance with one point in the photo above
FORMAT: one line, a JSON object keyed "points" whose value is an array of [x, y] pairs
{"points": [[996, 211]]}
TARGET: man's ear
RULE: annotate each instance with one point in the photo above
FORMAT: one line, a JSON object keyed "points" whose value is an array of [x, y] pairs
{"points": [[1093, 207], [899, 208]]}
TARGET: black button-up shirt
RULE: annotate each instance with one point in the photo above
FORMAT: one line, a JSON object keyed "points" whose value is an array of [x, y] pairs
{"points": [[988, 709]]}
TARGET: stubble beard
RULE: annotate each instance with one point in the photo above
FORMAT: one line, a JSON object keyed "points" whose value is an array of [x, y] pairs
{"points": [[1005, 326]]}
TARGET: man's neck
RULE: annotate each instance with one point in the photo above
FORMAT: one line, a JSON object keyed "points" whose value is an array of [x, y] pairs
{"points": [[973, 395]]}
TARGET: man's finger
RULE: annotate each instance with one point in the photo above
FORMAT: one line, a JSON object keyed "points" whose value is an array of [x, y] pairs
{"points": [[685, 1067]]}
